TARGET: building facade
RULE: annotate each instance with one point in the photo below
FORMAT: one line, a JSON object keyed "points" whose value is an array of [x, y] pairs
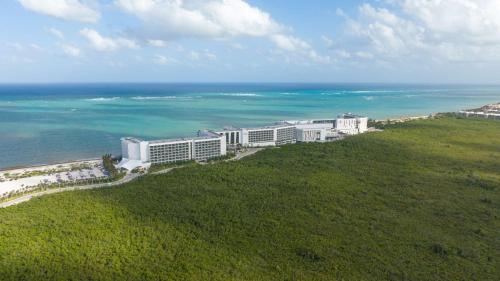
{"points": [[209, 144], [487, 115], [351, 124], [139, 153], [233, 136], [260, 137], [169, 151]]}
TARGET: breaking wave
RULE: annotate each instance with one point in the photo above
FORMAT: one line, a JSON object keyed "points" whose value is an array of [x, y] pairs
{"points": [[331, 94], [103, 99], [159, 98], [240, 95]]}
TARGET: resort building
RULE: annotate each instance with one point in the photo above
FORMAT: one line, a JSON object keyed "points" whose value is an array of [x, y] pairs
{"points": [[260, 137], [232, 135], [347, 123], [321, 130], [351, 124], [209, 144], [139, 153], [481, 114]]}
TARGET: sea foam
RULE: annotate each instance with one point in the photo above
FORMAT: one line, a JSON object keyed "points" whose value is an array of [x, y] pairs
{"points": [[240, 95], [159, 98], [103, 99]]}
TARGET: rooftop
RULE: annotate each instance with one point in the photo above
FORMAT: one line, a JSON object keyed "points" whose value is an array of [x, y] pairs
{"points": [[132, 139], [183, 139], [349, 116]]}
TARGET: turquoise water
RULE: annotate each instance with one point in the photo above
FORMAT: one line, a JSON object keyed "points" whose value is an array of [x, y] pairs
{"points": [[53, 123]]}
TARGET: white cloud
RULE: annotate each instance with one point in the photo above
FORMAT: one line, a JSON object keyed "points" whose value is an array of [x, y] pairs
{"points": [[210, 56], [299, 47], [237, 46], [36, 47], [17, 59], [157, 43], [16, 46], [70, 50], [193, 55], [387, 32], [56, 32], [315, 57], [193, 18], [63, 9], [343, 54], [477, 21], [24, 47], [364, 55], [210, 19], [455, 30], [290, 43], [162, 60], [101, 43], [328, 41]]}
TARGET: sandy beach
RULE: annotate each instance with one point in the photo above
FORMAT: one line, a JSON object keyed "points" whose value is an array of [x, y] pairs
{"points": [[24, 179]]}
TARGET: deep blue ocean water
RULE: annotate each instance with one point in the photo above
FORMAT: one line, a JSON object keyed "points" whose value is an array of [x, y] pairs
{"points": [[51, 123]]}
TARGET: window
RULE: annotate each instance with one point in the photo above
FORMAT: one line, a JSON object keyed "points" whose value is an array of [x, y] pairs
{"points": [[207, 149], [169, 152], [261, 136]]}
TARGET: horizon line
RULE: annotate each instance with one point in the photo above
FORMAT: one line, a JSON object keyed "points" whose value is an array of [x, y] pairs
{"points": [[249, 83]]}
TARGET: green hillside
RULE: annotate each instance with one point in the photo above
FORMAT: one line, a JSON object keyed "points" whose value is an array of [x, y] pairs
{"points": [[419, 201]]}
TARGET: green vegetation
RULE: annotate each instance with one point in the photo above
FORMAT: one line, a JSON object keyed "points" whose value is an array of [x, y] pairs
{"points": [[419, 201], [46, 186], [109, 165], [160, 167], [228, 156]]}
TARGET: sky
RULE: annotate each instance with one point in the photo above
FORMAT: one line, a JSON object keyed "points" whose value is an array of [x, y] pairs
{"points": [[382, 41]]}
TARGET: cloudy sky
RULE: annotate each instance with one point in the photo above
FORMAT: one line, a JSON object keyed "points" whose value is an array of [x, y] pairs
{"points": [[435, 41]]}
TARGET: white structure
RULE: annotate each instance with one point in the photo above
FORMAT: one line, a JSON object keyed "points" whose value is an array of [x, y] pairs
{"points": [[260, 137], [480, 114], [310, 131], [139, 153], [209, 144], [232, 135], [351, 124], [320, 130], [135, 153]]}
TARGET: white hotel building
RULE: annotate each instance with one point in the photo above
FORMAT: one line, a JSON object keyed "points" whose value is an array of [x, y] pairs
{"points": [[260, 137], [140, 153], [209, 144], [351, 124], [321, 130]]}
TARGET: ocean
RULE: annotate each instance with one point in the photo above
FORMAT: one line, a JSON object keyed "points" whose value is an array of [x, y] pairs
{"points": [[53, 123]]}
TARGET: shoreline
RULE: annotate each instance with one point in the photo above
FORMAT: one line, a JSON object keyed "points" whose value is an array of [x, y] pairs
{"points": [[403, 118], [46, 165], [23, 179]]}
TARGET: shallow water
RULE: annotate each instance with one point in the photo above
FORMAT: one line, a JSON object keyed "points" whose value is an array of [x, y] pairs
{"points": [[59, 122]]}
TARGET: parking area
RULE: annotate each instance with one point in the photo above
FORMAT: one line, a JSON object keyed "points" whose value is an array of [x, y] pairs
{"points": [[21, 184]]}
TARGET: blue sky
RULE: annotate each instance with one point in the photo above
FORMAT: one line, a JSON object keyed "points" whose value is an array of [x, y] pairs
{"points": [[408, 41]]}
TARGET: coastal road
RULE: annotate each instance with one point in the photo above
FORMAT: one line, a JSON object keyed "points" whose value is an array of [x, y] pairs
{"points": [[168, 170], [248, 152], [27, 197]]}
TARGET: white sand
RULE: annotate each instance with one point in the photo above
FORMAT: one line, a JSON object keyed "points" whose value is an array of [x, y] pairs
{"points": [[24, 184]]}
